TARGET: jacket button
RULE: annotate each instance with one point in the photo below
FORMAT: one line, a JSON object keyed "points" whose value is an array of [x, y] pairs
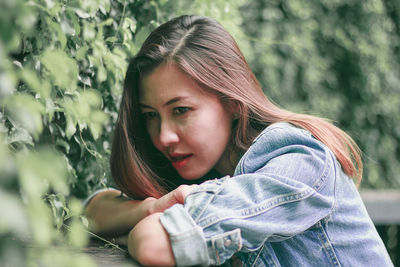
{"points": [[228, 242]]}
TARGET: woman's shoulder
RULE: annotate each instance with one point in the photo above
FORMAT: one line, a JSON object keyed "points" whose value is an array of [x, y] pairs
{"points": [[282, 134], [280, 131], [293, 146]]}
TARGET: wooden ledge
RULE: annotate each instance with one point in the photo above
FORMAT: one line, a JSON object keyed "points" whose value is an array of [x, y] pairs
{"points": [[106, 256], [383, 206]]}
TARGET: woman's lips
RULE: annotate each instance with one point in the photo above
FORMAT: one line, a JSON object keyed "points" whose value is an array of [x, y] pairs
{"points": [[179, 161]]}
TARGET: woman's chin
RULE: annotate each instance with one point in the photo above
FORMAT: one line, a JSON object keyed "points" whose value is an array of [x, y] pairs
{"points": [[194, 179], [191, 177]]}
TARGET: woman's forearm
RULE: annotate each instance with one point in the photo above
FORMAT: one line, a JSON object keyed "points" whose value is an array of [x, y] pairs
{"points": [[112, 215], [149, 243]]}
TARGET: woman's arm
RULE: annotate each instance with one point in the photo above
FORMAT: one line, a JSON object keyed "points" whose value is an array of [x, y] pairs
{"points": [[149, 243], [113, 215]]}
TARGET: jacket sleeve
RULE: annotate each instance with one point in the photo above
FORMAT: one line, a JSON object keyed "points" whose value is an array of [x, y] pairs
{"points": [[283, 185]]}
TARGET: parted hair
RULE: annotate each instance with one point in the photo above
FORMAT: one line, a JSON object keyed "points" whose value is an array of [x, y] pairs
{"points": [[202, 49]]}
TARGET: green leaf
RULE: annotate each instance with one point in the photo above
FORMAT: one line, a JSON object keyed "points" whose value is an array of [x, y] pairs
{"points": [[50, 108], [91, 97], [8, 169], [81, 52], [56, 28], [8, 81], [63, 70], [82, 14], [105, 6], [77, 234], [41, 170], [26, 112], [101, 74], [67, 26], [64, 144], [90, 6], [30, 77], [107, 22], [41, 222], [140, 36], [20, 135], [129, 24], [16, 219], [89, 31], [74, 20], [84, 221], [70, 129], [111, 39], [58, 207]]}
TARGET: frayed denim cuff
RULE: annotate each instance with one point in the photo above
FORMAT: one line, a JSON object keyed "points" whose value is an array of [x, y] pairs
{"points": [[187, 239]]}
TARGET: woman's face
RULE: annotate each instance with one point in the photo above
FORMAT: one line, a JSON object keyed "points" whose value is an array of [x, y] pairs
{"points": [[189, 126]]}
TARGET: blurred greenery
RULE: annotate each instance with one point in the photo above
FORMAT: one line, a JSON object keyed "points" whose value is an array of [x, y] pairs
{"points": [[62, 65], [338, 59]]}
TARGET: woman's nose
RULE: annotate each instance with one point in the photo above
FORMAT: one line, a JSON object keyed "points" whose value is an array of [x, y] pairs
{"points": [[168, 134]]}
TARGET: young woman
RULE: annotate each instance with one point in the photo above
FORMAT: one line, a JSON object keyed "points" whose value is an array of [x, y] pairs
{"points": [[192, 111]]}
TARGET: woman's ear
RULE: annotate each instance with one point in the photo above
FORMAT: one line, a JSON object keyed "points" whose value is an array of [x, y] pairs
{"points": [[234, 108]]}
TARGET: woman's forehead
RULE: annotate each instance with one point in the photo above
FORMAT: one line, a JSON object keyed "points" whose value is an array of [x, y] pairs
{"points": [[167, 82]]}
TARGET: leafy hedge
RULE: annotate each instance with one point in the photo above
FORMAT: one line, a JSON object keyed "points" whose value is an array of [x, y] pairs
{"points": [[62, 65]]}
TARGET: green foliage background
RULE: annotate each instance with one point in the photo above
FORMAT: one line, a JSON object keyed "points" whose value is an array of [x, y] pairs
{"points": [[338, 59], [62, 65]]}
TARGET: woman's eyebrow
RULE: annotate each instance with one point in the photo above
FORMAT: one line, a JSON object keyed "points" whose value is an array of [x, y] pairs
{"points": [[174, 100]]}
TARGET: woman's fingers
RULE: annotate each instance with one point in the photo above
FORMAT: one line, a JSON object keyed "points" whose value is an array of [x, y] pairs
{"points": [[181, 192], [176, 196]]}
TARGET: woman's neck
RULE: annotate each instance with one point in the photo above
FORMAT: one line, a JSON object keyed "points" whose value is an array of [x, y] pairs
{"points": [[228, 161]]}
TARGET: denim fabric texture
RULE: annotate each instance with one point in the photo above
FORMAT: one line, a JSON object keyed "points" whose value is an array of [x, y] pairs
{"points": [[288, 204]]}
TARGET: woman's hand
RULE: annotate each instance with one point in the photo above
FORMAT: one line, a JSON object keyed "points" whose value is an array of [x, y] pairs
{"points": [[149, 244], [176, 196]]}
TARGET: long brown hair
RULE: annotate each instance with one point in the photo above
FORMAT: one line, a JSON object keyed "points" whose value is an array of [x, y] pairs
{"points": [[202, 49]]}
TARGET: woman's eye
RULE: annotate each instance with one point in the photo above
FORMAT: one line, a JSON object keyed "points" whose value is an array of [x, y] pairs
{"points": [[180, 110], [149, 115]]}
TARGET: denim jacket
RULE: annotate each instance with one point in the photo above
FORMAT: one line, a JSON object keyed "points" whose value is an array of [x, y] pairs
{"points": [[288, 204]]}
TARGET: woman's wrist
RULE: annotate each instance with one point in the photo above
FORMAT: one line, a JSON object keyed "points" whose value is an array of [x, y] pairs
{"points": [[149, 206], [149, 244]]}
